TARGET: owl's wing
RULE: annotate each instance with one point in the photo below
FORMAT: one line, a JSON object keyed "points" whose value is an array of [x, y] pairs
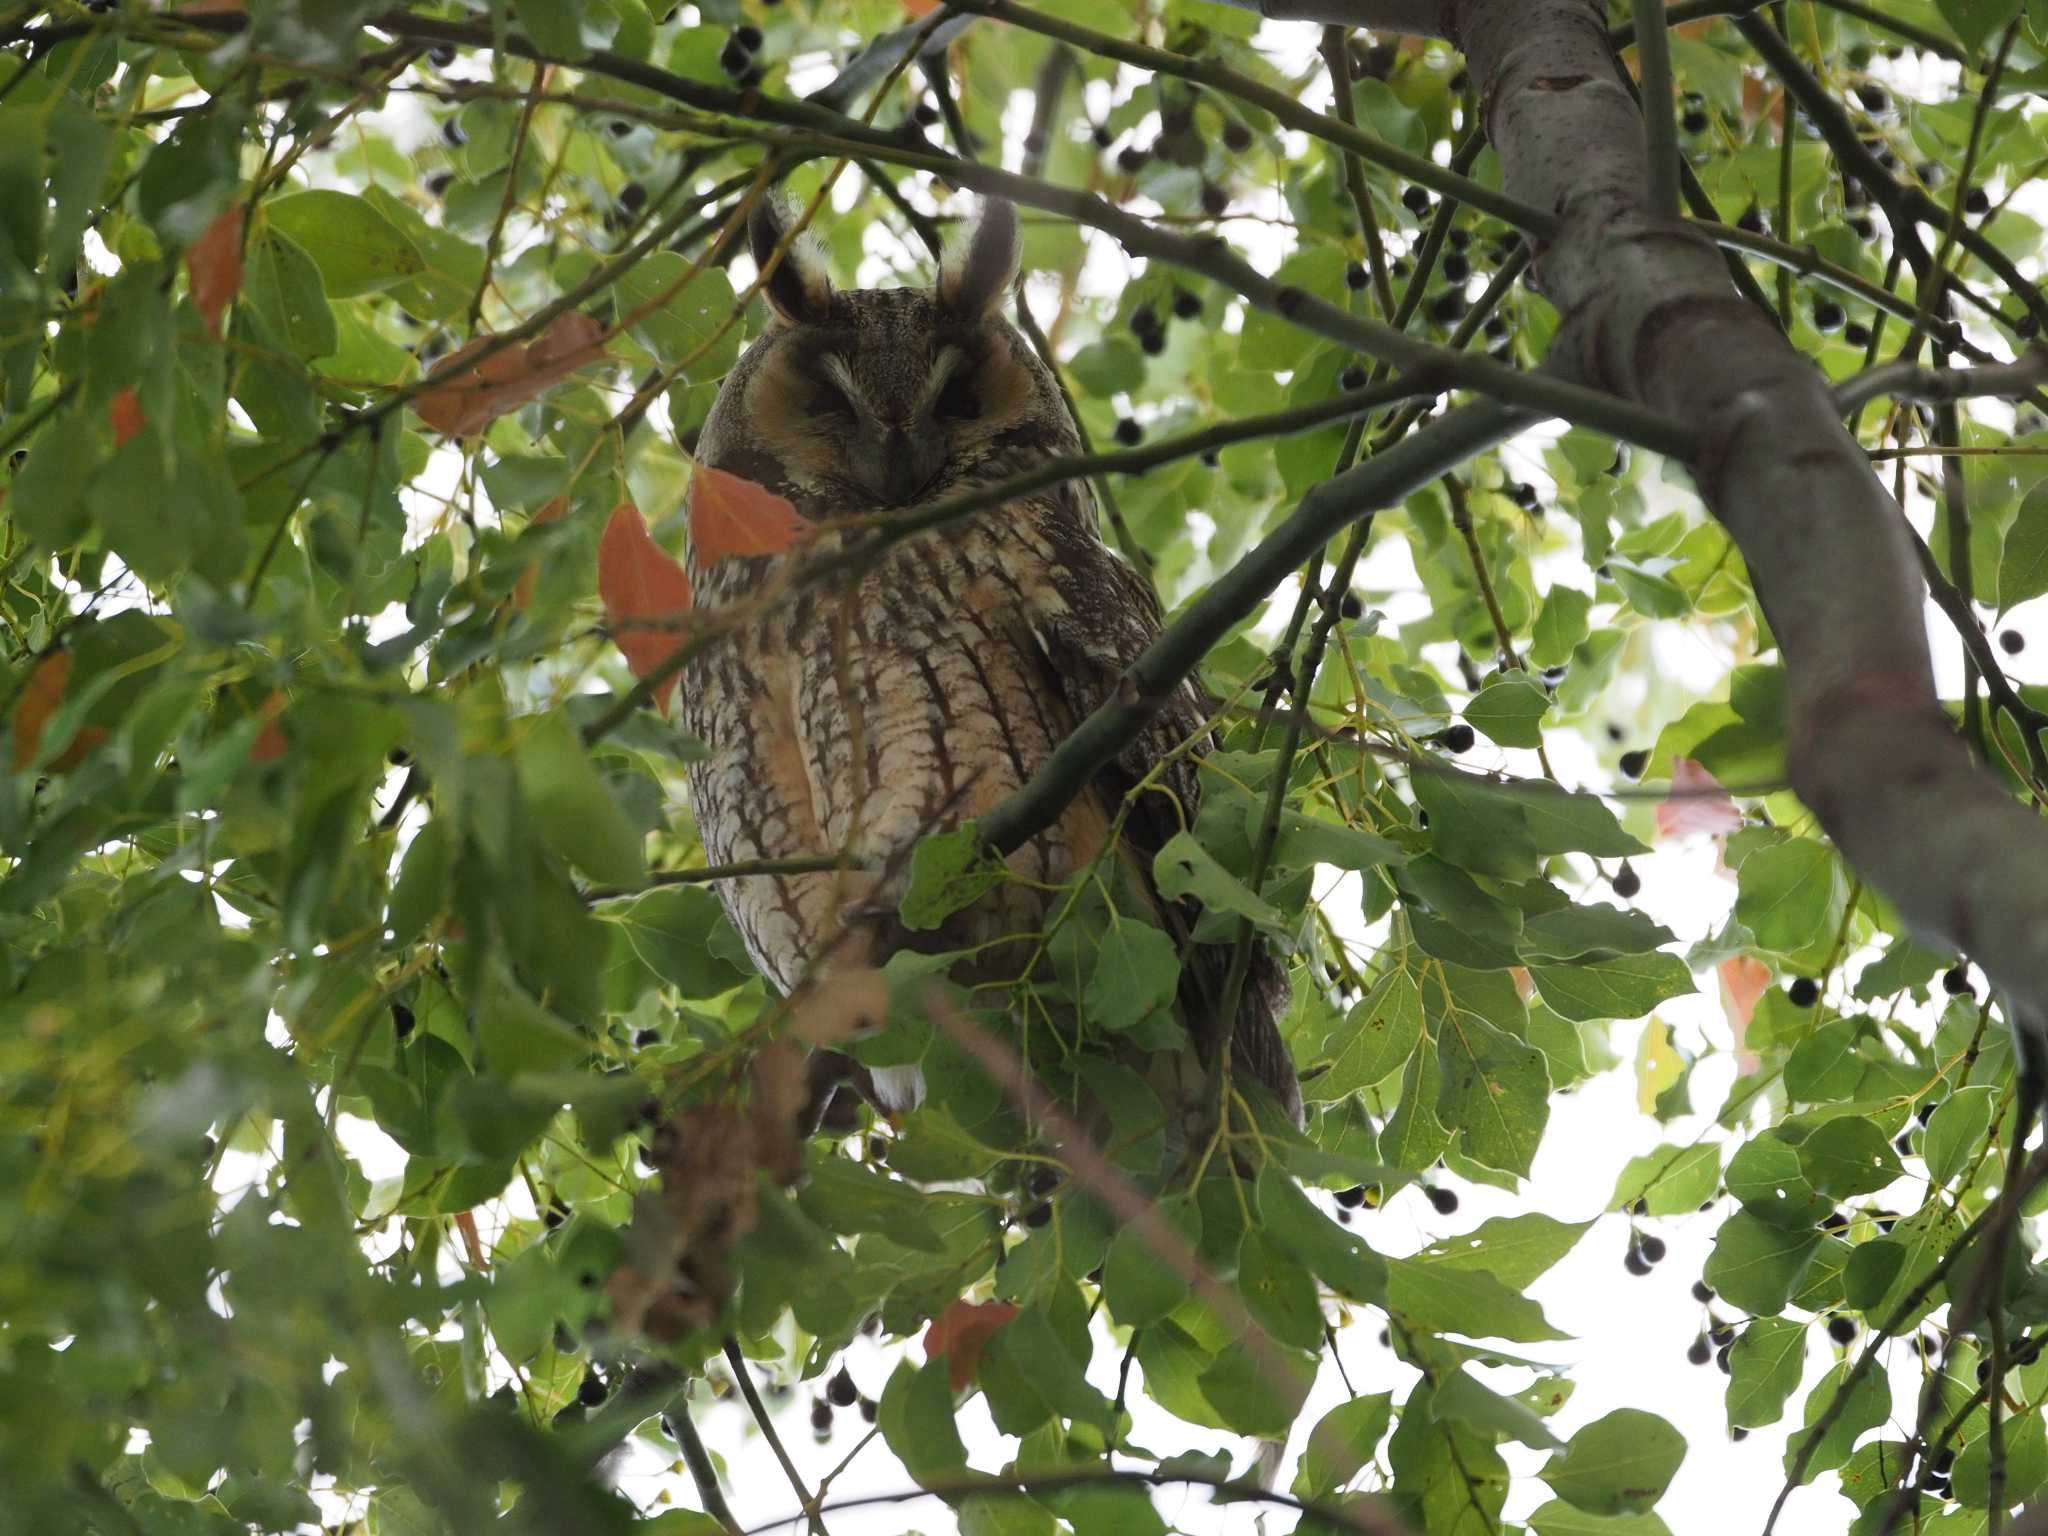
{"points": [[1098, 618]]}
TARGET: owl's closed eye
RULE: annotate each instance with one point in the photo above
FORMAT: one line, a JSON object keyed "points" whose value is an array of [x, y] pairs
{"points": [[882, 398]]}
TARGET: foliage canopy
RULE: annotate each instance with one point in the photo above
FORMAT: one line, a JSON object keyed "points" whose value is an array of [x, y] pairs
{"points": [[349, 364]]}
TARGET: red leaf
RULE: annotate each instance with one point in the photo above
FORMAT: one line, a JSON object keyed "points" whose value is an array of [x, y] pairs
{"points": [[917, 10], [213, 263], [1697, 803], [529, 579], [1743, 982], [465, 397], [646, 595], [40, 696], [731, 516], [960, 1334], [126, 411], [271, 743]]}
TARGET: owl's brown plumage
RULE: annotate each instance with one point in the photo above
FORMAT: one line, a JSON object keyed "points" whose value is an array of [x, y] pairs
{"points": [[933, 684]]}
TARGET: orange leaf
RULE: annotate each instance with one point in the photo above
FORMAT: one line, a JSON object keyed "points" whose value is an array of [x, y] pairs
{"points": [[464, 398], [1743, 982], [40, 696], [529, 579], [731, 516], [1697, 802], [214, 265], [646, 594], [271, 743], [917, 10], [960, 1334], [126, 411]]}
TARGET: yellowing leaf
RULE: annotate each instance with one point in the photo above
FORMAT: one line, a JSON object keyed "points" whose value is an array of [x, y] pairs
{"points": [[1657, 1065], [960, 1334]]}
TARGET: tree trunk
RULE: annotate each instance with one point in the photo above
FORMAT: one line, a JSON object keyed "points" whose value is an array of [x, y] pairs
{"points": [[1648, 313]]}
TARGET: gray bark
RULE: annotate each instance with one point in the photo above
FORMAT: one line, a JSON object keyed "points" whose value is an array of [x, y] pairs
{"points": [[1648, 314]]}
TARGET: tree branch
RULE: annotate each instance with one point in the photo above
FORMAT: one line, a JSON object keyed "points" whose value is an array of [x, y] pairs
{"points": [[745, 1378], [1939, 386], [1660, 109], [681, 1430], [1381, 481]]}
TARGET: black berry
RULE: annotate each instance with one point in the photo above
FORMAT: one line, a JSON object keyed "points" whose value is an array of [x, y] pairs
{"points": [[748, 36], [1873, 96], [1353, 377], [841, 1391], [401, 1020], [868, 1410], [1185, 305], [925, 113], [1215, 201], [591, 1391], [735, 58], [1144, 319], [1354, 277], [1152, 343], [1129, 433], [1351, 606], [1834, 1221], [1103, 138], [1804, 992], [1211, 458], [1635, 1263], [452, 134], [1351, 1198], [1417, 199], [1633, 763], [1702, 1292], [1863, 227], [1626, 881], [1977, 200], [1694, 122], [1751, 220], [2012, 642], [1132, 159], [1445, 1200], [1856, 333], [821, 1417], [1701, 1351], [441, 57], [1842, 1329], [1652, 1247], [1828, 315], [1038, 1215], [1456, 268], [1738, 1433], [1955, 981], [632, 197], [647, 1037], [1458, 738], [1236, 137], [1448, 306]]}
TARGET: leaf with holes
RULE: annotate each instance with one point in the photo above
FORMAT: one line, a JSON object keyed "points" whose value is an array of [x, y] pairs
{"points": [[646, 596]]}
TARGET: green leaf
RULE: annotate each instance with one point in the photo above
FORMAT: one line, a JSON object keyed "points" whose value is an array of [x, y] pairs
{"points": [[1250, 1399], [1560, 626], [1468, 1302], [1458, 1396], [1302, 841], [355, 247], [1955, 1133], [1342, 1444], [1768, 1176], [1515, 1250], [1764, 1367], [1626, 987], [1139, 1287], [1375, 1039], [915, 1416], [553, 27], [671, 930], [282, 284], [1184, 867], [1618, 1465], [1590, 932], [1757, 1265], [949, 871], [686, 325], [1510, 710], [1791, 895], [1847, 1157], [1279, 1292], [1864, 1406], [572, 808], [1973, 21], [1494, 1089], [1136, 975], [1558, 1518]]}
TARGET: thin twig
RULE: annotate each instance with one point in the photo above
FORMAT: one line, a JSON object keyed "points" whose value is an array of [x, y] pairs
{"points": [[745, 1377], [698, 1460]]}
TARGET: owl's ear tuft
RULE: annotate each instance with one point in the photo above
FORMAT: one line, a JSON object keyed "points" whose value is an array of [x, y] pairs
{"points": [[976, 273], [799, 290]]}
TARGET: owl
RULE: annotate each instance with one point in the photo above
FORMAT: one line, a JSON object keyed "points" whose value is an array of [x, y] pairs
{"points": [[859, 717]]}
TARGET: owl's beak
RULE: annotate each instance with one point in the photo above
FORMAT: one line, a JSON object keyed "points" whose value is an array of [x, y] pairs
{"points": [[907, 466]]}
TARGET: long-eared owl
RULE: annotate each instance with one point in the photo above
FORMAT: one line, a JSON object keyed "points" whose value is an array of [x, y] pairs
{"points": [[855, 718]]}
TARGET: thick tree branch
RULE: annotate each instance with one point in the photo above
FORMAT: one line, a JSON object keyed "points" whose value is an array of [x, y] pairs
{"points": [[1910, 381], [1830, 556]]}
